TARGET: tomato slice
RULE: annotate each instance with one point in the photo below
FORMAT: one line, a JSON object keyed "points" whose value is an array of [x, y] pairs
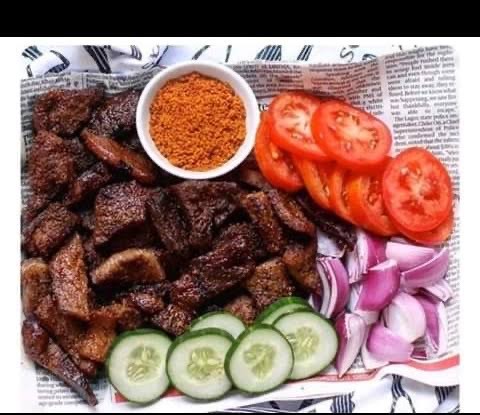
{"points": [[417, 190], [366, 203], [339, 202], [434, 237], [291, 119], [275, 164], [352, 137], [315, 178]]}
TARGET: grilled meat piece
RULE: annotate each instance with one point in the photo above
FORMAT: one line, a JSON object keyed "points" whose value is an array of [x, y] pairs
{"points": [[83, 159], [148, 302], [88, 184], [93, 259], [170, 223], [49, 229], [290, 212], [244, 308], [119, 207], [332, 225], [301, 264], [142, 236], [123, 312], [36, 283], [121, 157], [174, 320], [129, 267], [64, 111], [135, 293], [50, 165], [206, 205], [35, 204], [46, 353], [98, 338], [116, 115], [253, 178], [65, 330], [213, 273], [246, 232], [269, 283], [260, 210], [69, 279]]}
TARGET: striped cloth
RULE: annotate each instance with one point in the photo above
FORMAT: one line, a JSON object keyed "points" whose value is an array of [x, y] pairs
{"points": [[391, 394]]}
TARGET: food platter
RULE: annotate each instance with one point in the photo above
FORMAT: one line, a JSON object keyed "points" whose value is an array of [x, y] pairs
{"points": [[163, 252]]}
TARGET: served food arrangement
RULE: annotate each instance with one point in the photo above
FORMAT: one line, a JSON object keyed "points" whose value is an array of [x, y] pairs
{"points": [[319, 247]]}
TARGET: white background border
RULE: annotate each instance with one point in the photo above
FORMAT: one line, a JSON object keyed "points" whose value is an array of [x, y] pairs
{"points": [[468, 50]]}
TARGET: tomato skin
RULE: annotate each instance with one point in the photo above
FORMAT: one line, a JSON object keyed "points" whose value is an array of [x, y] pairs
{"points": [[417, 190], [339, 202], [275, 164], [352, 137], [366, 203], [434, 237], [315, 178], [291, 127]]}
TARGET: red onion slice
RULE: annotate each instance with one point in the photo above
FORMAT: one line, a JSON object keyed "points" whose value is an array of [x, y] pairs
{"points": [[340, 289], [369, 250], [441, 291], [385, 345], [379, 287], [369, 361], [351, 330], [327, 246], [405, 317], [408, 256], [370, 317], [427, 273], [436, 334]]}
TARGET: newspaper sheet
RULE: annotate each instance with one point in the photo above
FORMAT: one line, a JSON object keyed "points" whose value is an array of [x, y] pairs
{"points": [[413, 92]]}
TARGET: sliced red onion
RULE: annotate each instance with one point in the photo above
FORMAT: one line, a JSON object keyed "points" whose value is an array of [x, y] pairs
{"points": [[351, 330], [427, 273], [436, 335], [369, 361], [384, 345], [411, 291], [441, 290], [370, 317], [336, 289], [369, 250], [405, 317], [328, 246], [408, 256], [400, 240], [379, 287]]}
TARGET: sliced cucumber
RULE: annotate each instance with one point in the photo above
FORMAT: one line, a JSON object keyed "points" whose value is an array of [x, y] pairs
{"points": [[259, 360], [313, 339], [196, 363], [136, 364], [280, 307], [220, 320]]}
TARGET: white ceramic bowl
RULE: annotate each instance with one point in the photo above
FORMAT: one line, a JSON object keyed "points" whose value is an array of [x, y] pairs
{"points": [[213, 70]]}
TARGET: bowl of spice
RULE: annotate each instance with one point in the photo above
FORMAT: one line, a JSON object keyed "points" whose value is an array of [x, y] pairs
{"points": [[197, 120]]}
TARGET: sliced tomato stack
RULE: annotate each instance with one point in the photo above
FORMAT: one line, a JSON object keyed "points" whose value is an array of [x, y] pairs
{"points": [[339, 153]]}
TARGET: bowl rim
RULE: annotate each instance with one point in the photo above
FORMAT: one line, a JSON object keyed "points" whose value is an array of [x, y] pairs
{"points": [[249, 101]]}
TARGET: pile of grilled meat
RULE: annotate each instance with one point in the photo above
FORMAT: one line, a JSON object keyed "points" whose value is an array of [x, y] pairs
{"points": [[112, 243]]}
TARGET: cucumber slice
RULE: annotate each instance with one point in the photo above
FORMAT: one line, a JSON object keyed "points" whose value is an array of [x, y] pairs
{"points": [[220, 320], [259, 360], [196, 363], [136, 364], [280, 307], [313, 339]]}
